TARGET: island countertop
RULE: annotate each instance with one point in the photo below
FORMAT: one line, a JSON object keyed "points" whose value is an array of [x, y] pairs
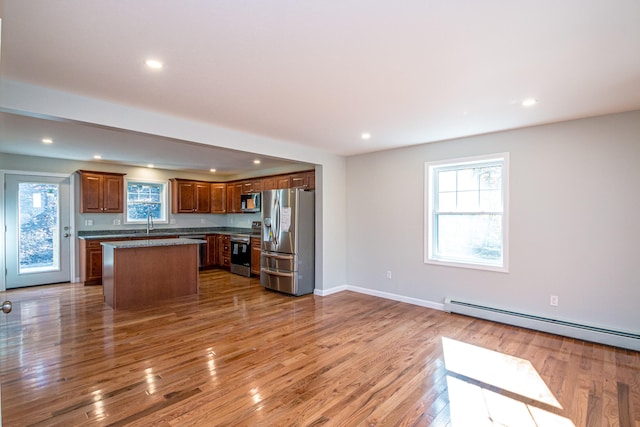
{"points": [[124, 244]]}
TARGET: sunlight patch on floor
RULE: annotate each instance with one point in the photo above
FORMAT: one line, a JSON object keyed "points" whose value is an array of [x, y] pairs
{"points": [[491, 388]]}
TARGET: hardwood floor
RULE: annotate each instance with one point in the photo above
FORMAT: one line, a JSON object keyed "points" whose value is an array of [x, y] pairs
{"points": [[237, 354]]}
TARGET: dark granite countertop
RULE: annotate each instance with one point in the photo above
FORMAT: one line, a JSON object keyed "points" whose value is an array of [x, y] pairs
{"points": [[152, 242], [111, 234]]}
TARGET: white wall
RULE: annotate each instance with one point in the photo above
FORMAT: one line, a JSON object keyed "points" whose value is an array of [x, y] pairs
{"points": [[575, 228]]}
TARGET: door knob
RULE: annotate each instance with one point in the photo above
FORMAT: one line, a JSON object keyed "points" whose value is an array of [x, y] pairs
{"points": [[66, 235], [6, 307]]}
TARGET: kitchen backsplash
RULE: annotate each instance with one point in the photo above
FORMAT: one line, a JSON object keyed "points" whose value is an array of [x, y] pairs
{"points": [[102, 221]]}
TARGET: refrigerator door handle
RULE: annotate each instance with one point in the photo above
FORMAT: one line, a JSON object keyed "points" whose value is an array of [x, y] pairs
{"points": [[276, 225], [290, 257], [277, 273]]}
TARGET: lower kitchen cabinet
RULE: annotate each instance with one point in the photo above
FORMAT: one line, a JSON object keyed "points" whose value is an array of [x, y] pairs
{"points": [[223, 245], [91, 257], [212, 250], [255, 256], [90, 262]]}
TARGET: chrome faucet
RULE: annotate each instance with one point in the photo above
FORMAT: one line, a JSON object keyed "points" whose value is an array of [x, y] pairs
{"points": [[149, 221]]}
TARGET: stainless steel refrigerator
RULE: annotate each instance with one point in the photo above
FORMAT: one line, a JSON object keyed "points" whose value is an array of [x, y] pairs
{"points": [[287, 259]]}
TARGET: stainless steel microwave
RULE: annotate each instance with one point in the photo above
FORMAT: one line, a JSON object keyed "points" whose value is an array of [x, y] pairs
{"points": [[250, 202]]}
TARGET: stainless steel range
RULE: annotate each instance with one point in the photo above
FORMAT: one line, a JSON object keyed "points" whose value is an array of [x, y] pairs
{"points": [[241, 250], [240, 254]]}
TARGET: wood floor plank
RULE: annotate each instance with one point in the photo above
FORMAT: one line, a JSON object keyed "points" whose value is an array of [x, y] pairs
{"points": [[237, 354]]}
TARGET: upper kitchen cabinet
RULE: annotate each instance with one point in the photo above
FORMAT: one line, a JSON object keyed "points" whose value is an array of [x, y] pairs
{"points": [[234, 191], [283, 181], [269, 183], [305, 180], [301, 179], [101, 192], [253, 186], [276, 182], [190, 196], [218, 198]]}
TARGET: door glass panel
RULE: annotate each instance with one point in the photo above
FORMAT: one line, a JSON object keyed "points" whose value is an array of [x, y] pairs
{"points": [[39, 239]]}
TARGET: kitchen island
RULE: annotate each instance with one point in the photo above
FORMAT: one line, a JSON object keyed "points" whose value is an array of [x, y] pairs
{"points": [[139, 273]]}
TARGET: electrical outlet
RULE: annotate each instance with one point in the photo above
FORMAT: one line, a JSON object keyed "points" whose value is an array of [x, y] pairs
{"points": [[116, 222], [172, 221], [388, 274], [553, 300], [88, 222]]}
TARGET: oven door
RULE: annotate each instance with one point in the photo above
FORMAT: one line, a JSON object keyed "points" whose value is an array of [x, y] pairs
{"points": [[241, 256]]}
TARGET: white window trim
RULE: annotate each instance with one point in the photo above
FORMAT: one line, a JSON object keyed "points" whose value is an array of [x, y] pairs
{"points": [[428, 217], [165, 200]]}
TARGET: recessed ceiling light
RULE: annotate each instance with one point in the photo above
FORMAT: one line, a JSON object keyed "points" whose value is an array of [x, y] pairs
{"points": [[154, 63], [212, 170], [47, 141], [97, 157], [150, 165], [256, 162], [365, 135], [529, 102]]}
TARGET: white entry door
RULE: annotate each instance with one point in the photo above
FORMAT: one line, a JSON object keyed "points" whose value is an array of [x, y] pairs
{"points": [[38, 230]]}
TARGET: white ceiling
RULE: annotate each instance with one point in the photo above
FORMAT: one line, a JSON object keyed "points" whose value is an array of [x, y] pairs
{"points": [[321, 72], [21, 134]]}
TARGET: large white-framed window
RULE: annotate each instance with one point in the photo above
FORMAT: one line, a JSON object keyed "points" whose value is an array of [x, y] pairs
{"points": [[146, 197], [466, 212]]}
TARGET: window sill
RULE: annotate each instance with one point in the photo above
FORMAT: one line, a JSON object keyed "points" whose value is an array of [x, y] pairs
{"points": [[473, 266]]}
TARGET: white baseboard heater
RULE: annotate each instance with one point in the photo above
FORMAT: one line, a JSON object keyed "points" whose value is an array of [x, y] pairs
{"points": [[559, 327]]}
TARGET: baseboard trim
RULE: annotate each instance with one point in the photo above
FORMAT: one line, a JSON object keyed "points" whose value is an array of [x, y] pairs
{"points": [[330, 291], [381, 294]]}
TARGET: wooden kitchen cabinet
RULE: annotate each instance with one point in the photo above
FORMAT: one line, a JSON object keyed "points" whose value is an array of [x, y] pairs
{"points": [[190, 196], [223, 245], [234, 204], [218, 198], [235, 189], [218, 250], [90, 262], [212, 250], [283, 181], [311, 180], [252, 186], [101, 192], [91, 257], [275, 182], [268, 183], [306, 180], [255, 256]]}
